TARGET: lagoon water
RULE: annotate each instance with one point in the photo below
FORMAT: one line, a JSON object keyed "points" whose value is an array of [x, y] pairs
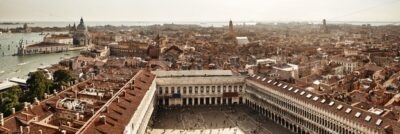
{"points": [[20, 66]]}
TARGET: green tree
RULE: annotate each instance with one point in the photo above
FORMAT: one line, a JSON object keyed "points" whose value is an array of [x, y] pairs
{"points": [[63, 76], [38, 85], [9, 100]]}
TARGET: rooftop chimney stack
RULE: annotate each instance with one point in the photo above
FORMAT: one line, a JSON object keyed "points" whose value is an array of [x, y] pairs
{"points": [[28, 129], [103, 119], [21, 129], [77, 116], [13, 110], [1, 119], [37, 101]]}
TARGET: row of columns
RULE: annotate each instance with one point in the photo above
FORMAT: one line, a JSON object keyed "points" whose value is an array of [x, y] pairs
{"points": [[212, 89], [201, 101], [308, 118], [276, 118]]}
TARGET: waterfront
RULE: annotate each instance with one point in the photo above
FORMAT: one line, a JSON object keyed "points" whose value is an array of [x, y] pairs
{"points": [[199, 23], [20, 66]]}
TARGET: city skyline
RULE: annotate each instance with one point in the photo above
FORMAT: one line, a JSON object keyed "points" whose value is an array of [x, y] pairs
{"points": [[222, 10]]}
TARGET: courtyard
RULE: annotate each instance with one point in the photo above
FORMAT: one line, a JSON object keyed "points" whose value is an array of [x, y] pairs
{"points": [[237, 119]]}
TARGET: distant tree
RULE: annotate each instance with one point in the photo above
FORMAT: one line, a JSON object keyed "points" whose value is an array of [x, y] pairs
{"points": [[9, 100], [63, 76], [38, 85]]}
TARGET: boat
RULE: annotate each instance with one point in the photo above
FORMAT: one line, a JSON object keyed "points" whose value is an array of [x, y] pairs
{"points": [[20, 64]]}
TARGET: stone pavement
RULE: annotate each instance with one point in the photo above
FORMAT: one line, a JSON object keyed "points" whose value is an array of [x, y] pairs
{"points": [[212, 120]]}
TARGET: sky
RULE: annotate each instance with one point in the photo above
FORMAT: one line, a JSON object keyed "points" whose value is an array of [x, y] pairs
{"points": [[200, 10]]}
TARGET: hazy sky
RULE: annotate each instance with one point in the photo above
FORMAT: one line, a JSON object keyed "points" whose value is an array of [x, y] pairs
{"points": [[199, 10]]}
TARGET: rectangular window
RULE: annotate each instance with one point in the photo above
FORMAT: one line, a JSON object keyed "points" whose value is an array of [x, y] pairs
{"points": [[160, 90]]}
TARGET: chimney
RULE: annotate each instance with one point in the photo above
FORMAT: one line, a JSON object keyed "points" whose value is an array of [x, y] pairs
{"points": [[77, 116], [55, 92], [13, 110], [118, 99], [1, 119], [40, 131], [103, 119], [63, 132], [21, 129], [28, 129], [37, 101], [45, 95]]}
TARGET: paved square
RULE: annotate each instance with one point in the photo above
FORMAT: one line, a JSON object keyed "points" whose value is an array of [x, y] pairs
{"points": [[212, 120]]}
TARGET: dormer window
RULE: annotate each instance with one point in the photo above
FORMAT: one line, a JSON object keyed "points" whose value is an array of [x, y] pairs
{"points": [[315, 98], [302, 93], [378, 122], [358, 114], [331, 103], [368, 118], [290, 89], [264, 79], [284, 86], [308, 95], [295, 91], [339, 107], [269, 81], [348, 110], [323, 101]]}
